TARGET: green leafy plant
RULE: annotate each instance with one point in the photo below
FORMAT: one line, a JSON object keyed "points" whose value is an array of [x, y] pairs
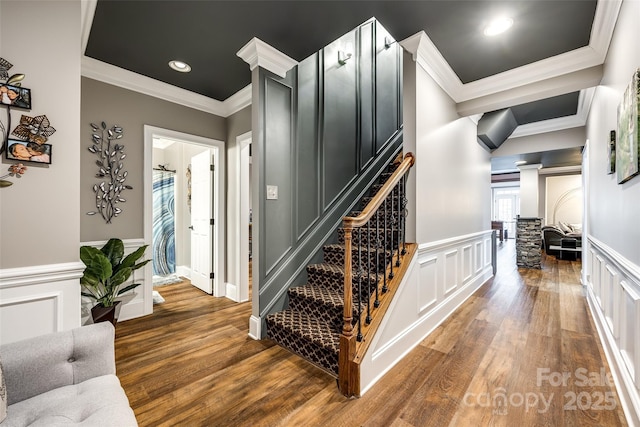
{"points": [[107, 269]]}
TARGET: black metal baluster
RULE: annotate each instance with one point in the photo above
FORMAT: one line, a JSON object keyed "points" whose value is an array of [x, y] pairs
{"points": [[376, 304], [368, 319], [384, 271], [391, 243], [359, 273], [404, 214], [396, 193]]}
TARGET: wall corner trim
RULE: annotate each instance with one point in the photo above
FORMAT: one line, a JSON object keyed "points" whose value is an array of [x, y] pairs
{"points": [[259, 54]]}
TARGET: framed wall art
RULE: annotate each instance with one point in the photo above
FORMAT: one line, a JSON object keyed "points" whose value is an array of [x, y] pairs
{"points": [[628, 133], [28, 151], [611, 154], [15, 96]]}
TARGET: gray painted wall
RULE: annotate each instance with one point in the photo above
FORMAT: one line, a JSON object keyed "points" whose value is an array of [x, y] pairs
{"points": [[613, 209], [131, 110], [238, 123], [321, 135], [39, 212], [452, 172]]}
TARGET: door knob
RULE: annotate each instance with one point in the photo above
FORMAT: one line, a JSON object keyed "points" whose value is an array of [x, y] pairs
{"points": [[191, 227]]}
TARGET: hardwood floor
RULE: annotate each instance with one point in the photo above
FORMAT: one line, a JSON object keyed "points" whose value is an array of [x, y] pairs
{"points": [[191, 363]]}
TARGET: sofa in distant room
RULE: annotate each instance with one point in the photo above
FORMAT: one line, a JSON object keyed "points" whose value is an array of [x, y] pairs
{"points": [[552, 235]]}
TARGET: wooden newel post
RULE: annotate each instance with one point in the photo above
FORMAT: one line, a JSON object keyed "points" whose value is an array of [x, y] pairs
{"points": [[347, 339], [347, 328]]}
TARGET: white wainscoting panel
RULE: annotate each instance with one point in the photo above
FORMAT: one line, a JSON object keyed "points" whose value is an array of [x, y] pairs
{"points": [[137, 302], [466, 263], [38, 300], [613, 293], [440, 278], [451, 272], [610, 298], [479, 255], [428, 295], [487, 252]]}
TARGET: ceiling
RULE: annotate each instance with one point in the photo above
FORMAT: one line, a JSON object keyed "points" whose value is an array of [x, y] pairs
{"points": [[143, 36]]}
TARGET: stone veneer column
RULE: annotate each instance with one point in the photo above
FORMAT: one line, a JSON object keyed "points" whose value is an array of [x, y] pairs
{"points": [[529, 242]]}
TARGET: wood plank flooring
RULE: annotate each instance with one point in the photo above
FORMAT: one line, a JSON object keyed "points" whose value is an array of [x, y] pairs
{"points": [[498, 360]]}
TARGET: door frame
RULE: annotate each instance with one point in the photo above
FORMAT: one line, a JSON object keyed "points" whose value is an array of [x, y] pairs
{"points": [[238, 233], [218, 147], [494, 214]]}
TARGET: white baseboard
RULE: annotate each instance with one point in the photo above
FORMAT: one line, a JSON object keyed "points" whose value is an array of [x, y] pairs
{"points": [[255, 327], [183, 271], [231, 292]]}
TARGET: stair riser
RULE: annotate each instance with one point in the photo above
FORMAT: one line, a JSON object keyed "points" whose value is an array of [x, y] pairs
{"points": [[334, 281], [378, 217], [337, 284], [376, 239], [392, 202], [308, 350], [318, 309], [336, 256]]}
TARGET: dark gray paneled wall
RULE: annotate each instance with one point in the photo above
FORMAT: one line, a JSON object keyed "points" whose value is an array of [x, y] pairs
{"points": [[340, 130], [324, 132], [278, 170]]}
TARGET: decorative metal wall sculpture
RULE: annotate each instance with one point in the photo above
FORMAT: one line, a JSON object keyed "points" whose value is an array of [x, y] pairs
{"points": [[110, 169], [17, 170], [13, 95], [35, 129]]}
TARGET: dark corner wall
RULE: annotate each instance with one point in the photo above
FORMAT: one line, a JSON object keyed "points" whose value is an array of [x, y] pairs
{"points": [[324, 132]]}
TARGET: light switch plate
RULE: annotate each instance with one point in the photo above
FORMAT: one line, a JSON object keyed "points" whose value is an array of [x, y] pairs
{"points": [[272, 192]]}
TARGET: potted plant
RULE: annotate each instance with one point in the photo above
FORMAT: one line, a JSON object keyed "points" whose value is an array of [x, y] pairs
{"points": [[107, 269]]}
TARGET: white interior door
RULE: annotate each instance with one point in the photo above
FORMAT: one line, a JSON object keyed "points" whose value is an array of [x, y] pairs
{"points": [[201, 222]]}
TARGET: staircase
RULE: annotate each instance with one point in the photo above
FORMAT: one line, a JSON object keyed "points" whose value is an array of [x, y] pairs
{"points": [[312, 324]]}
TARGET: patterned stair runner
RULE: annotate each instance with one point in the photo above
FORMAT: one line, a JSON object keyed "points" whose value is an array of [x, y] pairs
{"points": [[312, 324]]}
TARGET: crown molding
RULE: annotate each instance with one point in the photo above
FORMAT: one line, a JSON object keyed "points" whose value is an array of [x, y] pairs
{"points": [[558, 85], [560, 169], [120, 77], [126, 79], [536, 166], [425, 54], [238, 100], [604, 22], [429, 58], [577, 120], [257, 53], [88, 10]]}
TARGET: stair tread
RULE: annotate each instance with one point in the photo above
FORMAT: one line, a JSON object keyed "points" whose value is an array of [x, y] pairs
{"points": [[308, 327], [336, 270], [328, 296], [341, 246]]}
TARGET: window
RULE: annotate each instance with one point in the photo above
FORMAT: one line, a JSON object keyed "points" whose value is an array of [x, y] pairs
{"points": [[506, 207]]}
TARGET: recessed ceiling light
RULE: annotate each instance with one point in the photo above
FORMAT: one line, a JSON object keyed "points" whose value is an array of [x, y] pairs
{"points": [[521, 162], [183, 67], [498, 26]]}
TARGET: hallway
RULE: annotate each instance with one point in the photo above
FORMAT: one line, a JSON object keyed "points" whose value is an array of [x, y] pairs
{"points": [[525, 336]]}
